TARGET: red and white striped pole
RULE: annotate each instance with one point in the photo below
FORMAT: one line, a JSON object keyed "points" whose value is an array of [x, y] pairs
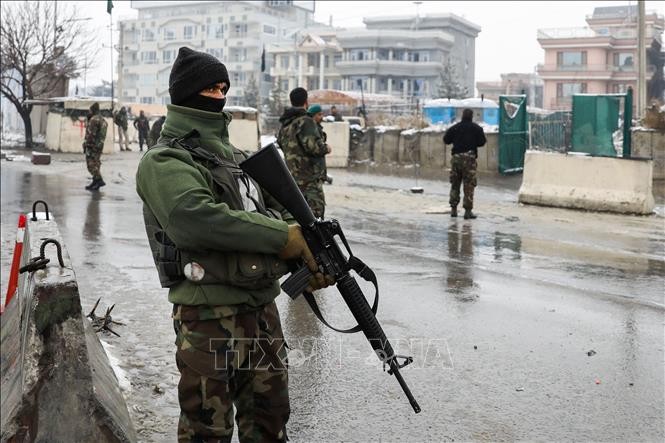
{"points": [[16, 261]]}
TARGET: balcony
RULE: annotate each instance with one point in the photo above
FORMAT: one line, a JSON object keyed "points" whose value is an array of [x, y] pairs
{"points": [[599, 72], [388, 67]]}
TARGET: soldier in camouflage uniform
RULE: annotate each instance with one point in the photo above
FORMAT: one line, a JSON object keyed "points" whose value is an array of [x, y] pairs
{"points": [[304, 150], [93, 145], [120, 119], [156, 129], [465, 137], [219, 244]]}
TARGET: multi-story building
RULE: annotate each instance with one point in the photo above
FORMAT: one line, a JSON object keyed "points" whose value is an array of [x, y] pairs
{"points": [[406, 55], [235, 32], [599, 59], [514, 83], [401, 56], [309, 60]]}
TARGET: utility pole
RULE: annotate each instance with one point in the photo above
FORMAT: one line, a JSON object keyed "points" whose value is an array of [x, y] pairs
{"points": [[642, 60]]}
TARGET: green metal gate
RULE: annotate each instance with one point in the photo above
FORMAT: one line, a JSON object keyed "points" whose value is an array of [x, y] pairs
{"points": [[596, 122], [513, 133]]}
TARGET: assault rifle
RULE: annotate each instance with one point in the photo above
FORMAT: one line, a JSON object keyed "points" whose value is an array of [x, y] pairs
{"points": [[268, 169]]}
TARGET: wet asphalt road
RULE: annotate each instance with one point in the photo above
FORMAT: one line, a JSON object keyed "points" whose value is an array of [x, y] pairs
{"points": [[499, 313]]}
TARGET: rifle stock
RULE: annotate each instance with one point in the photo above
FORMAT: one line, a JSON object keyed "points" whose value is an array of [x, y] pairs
{"points": [[268, 169]]}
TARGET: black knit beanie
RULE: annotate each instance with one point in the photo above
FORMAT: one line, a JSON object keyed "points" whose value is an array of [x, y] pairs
{"points": [[193, 71]]}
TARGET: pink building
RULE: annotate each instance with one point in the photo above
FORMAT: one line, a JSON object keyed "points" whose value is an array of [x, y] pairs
{"points": [[598, 59]]}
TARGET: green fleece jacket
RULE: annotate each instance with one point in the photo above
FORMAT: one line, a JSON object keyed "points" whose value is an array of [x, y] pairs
{"points": [[192, 210]]}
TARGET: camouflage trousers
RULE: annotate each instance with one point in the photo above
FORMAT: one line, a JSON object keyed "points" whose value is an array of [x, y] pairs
{"points": [[236, 360], [94, 163], [313, 193], [463, 170]]}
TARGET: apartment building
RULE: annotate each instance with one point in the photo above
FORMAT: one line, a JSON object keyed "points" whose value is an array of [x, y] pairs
{"points": [[400, 56], [405, 55], [598, 59], [235, 32]]}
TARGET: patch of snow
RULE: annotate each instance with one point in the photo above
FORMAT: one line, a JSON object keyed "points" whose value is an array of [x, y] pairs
{"points": [[329, 118], [436, 128], [356, 127], [381, 129], [411, 131], [120, 374]]}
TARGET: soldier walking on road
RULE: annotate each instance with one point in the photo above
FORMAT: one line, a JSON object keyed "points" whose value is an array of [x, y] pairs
{"points": [[120, 119], [219, 244], [466, 137], [156, 129], [142, 125], [304, 150], [93, 145]]}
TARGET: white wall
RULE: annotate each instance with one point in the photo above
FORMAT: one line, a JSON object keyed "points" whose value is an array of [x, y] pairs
{"points": [[338, 140]]}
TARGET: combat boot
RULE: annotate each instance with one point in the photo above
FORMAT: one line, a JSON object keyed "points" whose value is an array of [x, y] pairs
{"points": [[98, 184], [91, 184], [468, 215], [453, 211]]}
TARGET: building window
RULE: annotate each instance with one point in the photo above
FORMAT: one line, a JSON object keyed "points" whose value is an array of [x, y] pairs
{"points": [[625, 61], [359, 54], [570, 60], [400, 55], [568, 89], [216, 31], [284, 84], [383, 54], [267, 29], [337, 84], [239, 55], [189, 32], [149, 57], [166, 100], [338, 58], [148, 35], [238, 78], [147, 100], [240, 30], [284, 62], [312, 60], [216, 52], [168, 55], [169, 34]]}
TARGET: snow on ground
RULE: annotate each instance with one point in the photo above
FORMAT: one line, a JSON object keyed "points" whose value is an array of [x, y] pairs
{"points": [[120, 374]]}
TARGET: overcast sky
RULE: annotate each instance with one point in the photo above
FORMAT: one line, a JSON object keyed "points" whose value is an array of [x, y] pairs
{"points": [[507, 42]]}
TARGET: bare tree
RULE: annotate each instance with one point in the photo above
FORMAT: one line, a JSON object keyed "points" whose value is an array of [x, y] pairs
{"points": [[40, 49]]}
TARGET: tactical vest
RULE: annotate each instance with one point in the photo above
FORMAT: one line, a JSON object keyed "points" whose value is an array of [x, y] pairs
{"points": [[242, 269]]}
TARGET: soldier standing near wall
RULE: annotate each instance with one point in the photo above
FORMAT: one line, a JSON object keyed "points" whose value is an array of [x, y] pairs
{"points": [[304, 150], [93, 145], [142, 125], [466, 137], [120, 119]]}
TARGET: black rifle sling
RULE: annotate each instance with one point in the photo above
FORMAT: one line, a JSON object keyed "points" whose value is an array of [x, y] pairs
{"points": [[367, 274]]}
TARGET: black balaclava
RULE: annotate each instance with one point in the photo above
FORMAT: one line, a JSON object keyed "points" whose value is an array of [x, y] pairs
{"points": [[198, 101], [192, 72]]}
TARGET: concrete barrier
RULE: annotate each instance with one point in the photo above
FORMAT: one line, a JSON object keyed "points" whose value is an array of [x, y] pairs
{"points": [[57, 383], [585, 182], [649, 143], [338, 138]]}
